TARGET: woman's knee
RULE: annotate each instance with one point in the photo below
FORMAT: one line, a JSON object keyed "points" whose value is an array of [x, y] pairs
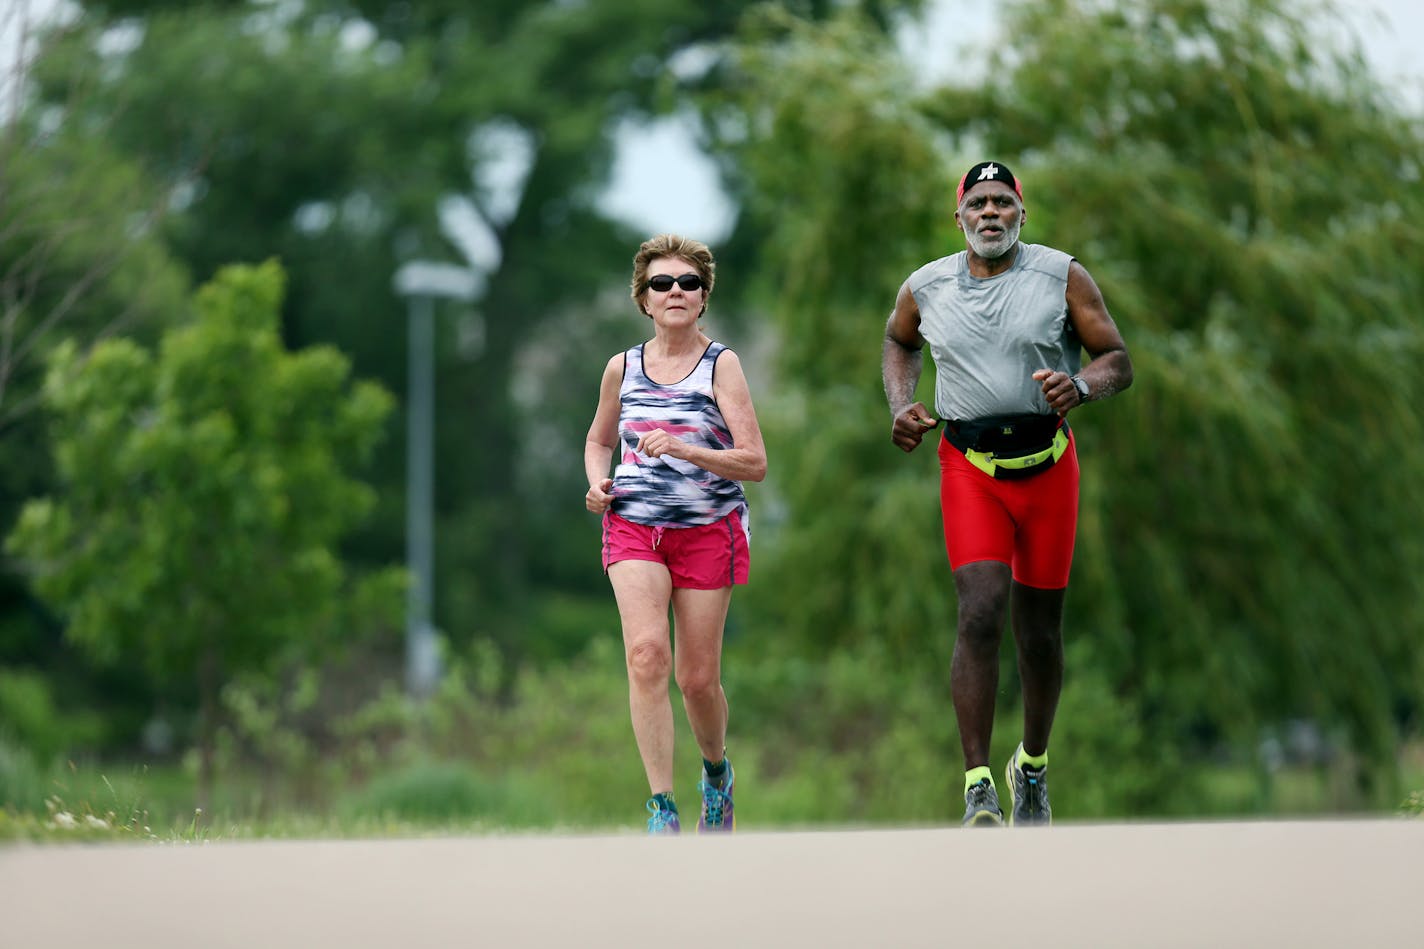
{"points": [[699, 682], [649, 661]]}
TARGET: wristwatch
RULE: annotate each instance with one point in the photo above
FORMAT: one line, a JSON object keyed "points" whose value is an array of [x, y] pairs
{"points": [[1081, 385]]}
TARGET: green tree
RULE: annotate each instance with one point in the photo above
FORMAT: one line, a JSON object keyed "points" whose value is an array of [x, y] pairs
{"points": [[503, 116], [840, 177], [1249, 198], [79, 253], [81, 260], [202, 491], [79, 256]]}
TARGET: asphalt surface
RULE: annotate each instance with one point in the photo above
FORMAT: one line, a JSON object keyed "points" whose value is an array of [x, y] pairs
{"points": [[1289, 883]]}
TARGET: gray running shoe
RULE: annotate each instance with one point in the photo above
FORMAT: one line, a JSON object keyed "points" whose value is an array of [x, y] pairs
{"points": [[1028, 793], [981, 805]]}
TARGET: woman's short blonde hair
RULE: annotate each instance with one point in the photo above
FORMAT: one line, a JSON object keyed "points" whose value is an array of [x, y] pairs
{"points": [[698, 254]]}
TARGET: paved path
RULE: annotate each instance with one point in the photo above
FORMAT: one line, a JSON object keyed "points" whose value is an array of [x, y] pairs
{"points": [[1297, 884]]}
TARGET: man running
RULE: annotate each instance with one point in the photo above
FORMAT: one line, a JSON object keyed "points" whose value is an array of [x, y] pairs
{"points": [[1006, 323]]}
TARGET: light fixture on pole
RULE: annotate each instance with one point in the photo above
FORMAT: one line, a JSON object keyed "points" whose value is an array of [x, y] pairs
{"points": [[422, 283]]}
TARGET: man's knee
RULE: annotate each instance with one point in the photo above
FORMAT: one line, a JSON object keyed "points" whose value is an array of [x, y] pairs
{"points": [[1040, 642], [983, 598], [981, 621], [1038, 620]]}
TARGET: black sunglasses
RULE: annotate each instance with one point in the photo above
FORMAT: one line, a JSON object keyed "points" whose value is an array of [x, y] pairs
{"points": [[663, 282]]}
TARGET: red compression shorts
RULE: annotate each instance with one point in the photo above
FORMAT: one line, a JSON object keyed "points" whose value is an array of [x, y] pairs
{"points": [[1028, 523]]}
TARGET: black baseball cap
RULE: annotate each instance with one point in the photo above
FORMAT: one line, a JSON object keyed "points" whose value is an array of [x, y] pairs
{"points": [[988, 171]]}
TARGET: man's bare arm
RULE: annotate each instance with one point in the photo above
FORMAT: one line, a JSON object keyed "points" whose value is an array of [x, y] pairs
{"points": [[1110, 368], [900, 365]]}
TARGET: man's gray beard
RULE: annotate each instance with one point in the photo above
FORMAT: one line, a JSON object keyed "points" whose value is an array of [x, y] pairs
{"points": [[999, 246]]}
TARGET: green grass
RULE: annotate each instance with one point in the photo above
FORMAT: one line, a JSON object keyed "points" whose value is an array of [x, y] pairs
{"points": [[91, 802], [847, 741]]}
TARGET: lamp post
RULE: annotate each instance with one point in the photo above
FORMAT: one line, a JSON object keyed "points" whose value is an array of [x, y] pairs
{"points": [[422, 283]]}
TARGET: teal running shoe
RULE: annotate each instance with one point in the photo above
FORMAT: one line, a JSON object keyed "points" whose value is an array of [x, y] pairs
{"points": [[718, 816], [664, 822]]}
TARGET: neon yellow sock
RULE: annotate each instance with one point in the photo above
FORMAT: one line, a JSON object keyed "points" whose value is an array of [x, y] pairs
{"points": [[1033, 761], [974, 775]]}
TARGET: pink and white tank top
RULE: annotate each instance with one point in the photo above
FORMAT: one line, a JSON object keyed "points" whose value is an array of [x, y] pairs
{"points": [[666, 491]]}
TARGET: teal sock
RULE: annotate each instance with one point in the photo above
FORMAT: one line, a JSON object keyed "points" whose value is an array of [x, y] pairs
{"points": [[715, 772], [665, 802]]}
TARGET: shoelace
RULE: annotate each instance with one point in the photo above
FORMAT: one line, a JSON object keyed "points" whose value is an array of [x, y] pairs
{"points": [[660, 819], [714, 801], [1031, 790], [979, 794]]}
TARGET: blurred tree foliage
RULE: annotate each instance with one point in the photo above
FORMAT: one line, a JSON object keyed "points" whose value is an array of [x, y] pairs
{"points": [[837, 164], [201, 493], [81, 259], [1243, 189], [1250, 200], [348, 137]]}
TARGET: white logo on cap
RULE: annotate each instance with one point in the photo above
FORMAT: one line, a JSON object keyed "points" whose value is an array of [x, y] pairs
{"points": [[989, 172]]}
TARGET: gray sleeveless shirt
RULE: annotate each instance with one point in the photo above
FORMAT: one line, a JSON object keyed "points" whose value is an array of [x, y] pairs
{"points": [[989, 335]]}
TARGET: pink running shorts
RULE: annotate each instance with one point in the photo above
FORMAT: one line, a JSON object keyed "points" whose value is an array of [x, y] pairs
{"points": [[707, 557]]}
